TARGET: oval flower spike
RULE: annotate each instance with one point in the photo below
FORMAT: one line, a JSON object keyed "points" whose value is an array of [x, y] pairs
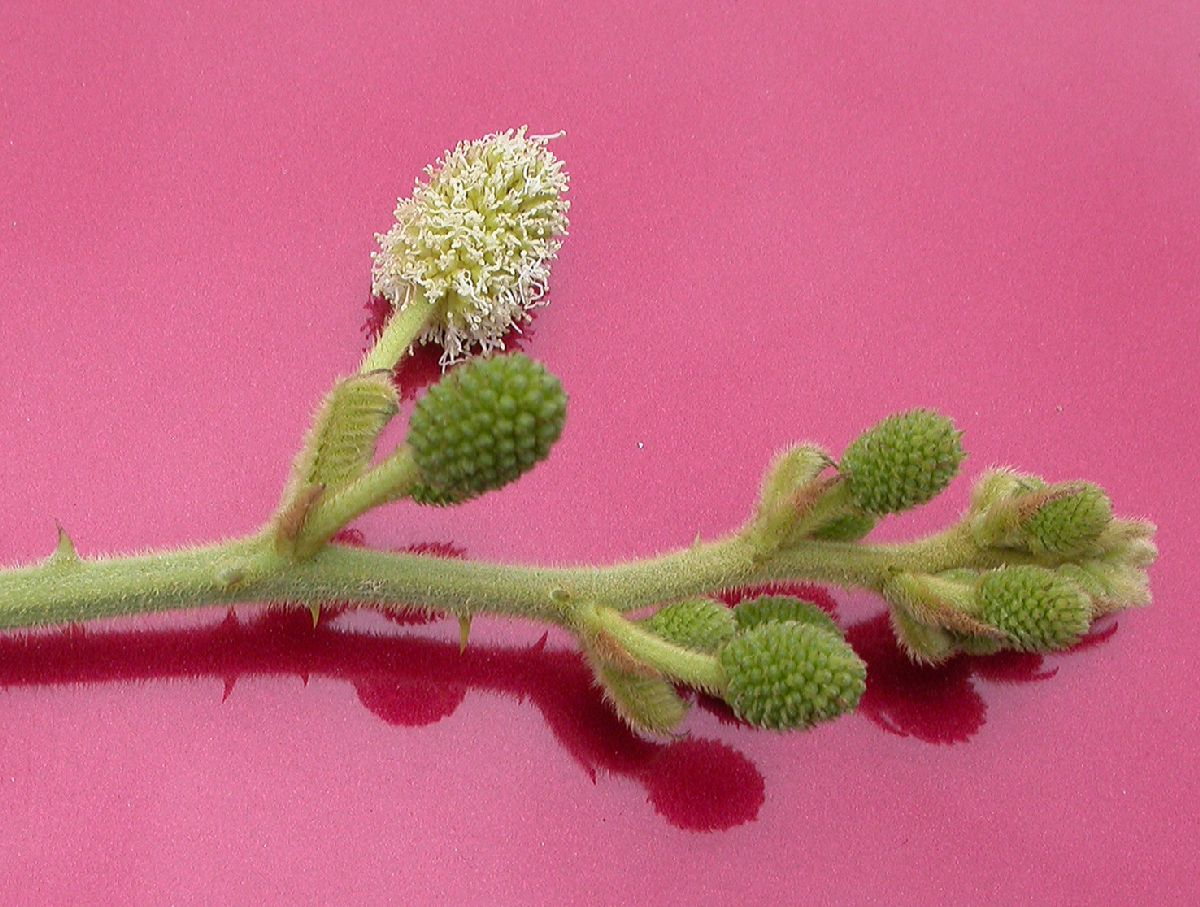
{"points": [[475, 241]]}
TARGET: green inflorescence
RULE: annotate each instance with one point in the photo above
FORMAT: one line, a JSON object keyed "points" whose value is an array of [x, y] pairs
{"points": [[1038, 608], [905, 460], [786, 608], [697, 623], [484, 425], [1069, 524], [788, 675]]}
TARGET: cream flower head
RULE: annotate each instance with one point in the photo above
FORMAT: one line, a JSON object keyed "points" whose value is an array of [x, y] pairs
{"points": [[476, 240]]}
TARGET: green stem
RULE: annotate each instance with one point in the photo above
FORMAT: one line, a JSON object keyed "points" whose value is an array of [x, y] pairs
{"points": [[400, 332], [390, 480], [67, 589], [696, 669]]}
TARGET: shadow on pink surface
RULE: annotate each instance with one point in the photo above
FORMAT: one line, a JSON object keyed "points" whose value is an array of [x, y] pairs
{"points": [[695, 784], [938, 705]]}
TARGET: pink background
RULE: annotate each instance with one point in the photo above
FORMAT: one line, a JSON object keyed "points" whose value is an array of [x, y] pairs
{"points": [[789, 220]]}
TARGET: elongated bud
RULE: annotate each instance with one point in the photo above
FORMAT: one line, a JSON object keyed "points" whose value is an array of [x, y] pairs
{"points": [[783, 608], [700, 624], [1068, 524], [921, 642], [1040, 609], [1000, 484], [484, 425], [795, 497], [789, 472], [905, 460], [647, 704], [790, 675]]}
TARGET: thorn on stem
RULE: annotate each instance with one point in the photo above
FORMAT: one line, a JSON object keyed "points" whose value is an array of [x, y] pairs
{"points": [[64, 550], [464, 633]]}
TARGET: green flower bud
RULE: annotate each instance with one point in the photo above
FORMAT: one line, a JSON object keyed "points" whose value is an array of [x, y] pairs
{"points": [[791, 675], [783, 608], [849, 527], [700, 624], [1070, 524], [483, 425], [905, 460], [477, 240], [1039, 609]]}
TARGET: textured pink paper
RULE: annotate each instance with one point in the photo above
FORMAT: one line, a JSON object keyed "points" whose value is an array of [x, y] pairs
{"points": [[789, 220]]}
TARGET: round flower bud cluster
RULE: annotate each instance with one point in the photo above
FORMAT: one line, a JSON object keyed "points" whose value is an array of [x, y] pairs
{"points": [[849, 527], [1064, 520], [788, 675], [484, 425], [700, 624], [905, 460], [476, 240], [767, 608], [1070, 524], [1039, 609]]}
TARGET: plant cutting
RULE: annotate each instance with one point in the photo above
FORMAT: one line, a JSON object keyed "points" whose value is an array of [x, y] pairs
{"points": [[1028, 567]]}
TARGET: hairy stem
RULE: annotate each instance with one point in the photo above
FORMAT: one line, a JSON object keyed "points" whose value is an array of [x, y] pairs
{"points": [[68, 589], [696, 669], [401, 330], [391, 479]]}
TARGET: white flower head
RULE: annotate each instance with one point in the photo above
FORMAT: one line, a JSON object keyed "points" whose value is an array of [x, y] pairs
{"points": [[477, 239]]}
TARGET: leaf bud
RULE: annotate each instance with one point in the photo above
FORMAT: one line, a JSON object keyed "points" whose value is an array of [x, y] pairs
{"points": [[647, 704], [1111, 586], [849, 527], [921, 642], [789, 472], [1000, 484]]}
